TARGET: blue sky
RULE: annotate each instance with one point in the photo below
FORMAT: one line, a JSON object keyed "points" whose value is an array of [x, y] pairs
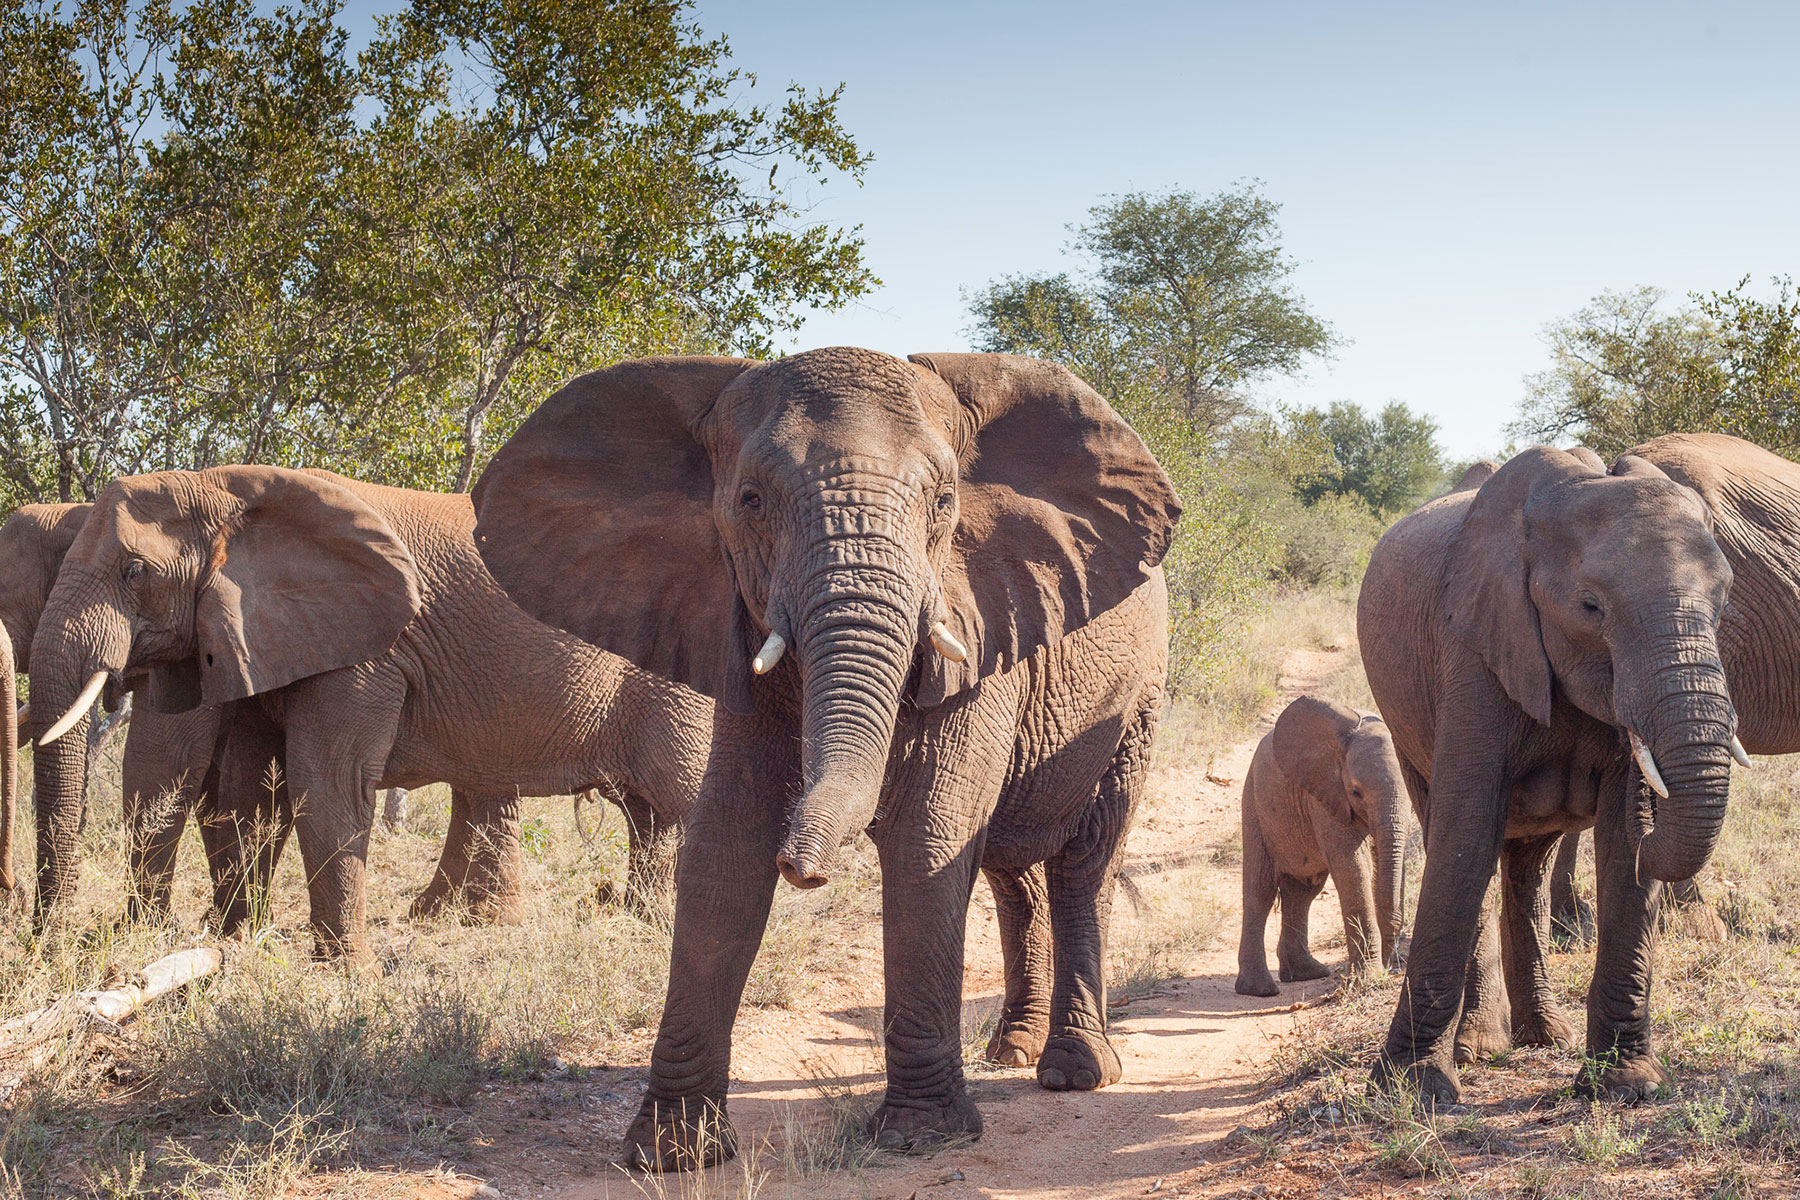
{"points": [[1451, 178]]}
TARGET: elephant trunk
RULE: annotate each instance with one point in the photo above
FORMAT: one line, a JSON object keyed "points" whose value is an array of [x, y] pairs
{"points": [[1687, 731], [72, 643], [9, 761], [1390, 872], [854, 655]]}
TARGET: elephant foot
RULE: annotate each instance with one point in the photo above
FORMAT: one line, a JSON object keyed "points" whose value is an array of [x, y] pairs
{"points": [[1077, 1062], [1303, 969], [907, 1130], [1257, 983], [1433, 1082], [496, 908], [431, 903], [664, 1137], [1017, 1042], [1482, 1033], [1627, 1079], [1545, 1027]]}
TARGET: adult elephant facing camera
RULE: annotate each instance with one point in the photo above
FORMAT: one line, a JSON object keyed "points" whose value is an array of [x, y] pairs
{"points": [[961, 551], [359, 624], [1541, 648]]}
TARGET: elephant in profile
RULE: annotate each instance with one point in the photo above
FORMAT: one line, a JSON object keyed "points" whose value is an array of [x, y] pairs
{"points": [[926, 595], [353, 628], [1323, 783], [1753, 499], [1543, 648]]}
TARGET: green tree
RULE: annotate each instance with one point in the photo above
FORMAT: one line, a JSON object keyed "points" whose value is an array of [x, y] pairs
{"points": [[1390, 461], [222, 239], [1626, 368]]}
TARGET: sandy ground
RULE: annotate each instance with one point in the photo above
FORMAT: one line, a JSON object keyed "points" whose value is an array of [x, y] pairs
{"points": [[1192, 1052]]}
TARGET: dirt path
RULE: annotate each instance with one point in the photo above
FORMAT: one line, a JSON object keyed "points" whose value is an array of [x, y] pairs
{"points": [[1192, 1050]]}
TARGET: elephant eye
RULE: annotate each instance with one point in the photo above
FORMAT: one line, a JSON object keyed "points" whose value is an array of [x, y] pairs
{"points": [[946, 501], [134, 570], [751, 499], [1592, 609]]}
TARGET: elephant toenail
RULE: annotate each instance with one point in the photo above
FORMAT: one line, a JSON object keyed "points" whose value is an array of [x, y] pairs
{"points": [[1054, 1079], [1013, 1058], [1085, 1081], [890, 1139]]}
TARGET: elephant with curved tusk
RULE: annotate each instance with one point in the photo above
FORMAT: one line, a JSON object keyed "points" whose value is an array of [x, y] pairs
{"points": [[1546, 651], [352, 629], [1323, 784], [926, 594]]}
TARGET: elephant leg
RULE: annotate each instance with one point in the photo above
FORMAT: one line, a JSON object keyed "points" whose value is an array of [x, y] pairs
{"points": [[246, 821], [340, 729], [1293, 954], [1352, 865], [1621, 1062], [1684, 907], [1078, 1055], [1537, 1019], [724, 885], [167, 769], [1571, 916], [455, 862], [654, 843], [1465, 826], [1022, 904], [496, 880], [1259, 898], [1484, 1028]]}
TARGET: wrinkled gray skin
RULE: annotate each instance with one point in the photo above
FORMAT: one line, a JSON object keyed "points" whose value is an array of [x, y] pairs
{"points": [[355, 626], [1323, 798], [1512, 636], [848, 501], [1754, 499]]}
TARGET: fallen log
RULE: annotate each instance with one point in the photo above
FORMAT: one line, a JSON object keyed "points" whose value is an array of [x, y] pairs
{"points": [[28, 1042]]}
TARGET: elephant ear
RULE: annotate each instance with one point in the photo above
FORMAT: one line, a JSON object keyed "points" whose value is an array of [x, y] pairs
{"points": [[33, 542], [597, 518], [1488, 586], [1064, 513], [1310, 739], [305, 578]]}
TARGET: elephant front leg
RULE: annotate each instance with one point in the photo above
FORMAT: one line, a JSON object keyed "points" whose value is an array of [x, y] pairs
{"points": [[1537, 1019], [1259, 898], [1022, 904], [1621, 1062], [246, 823], [1484, 1030]]}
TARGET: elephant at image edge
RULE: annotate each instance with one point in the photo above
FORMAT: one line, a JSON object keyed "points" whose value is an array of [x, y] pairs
{"points": [[1323, 782], [1754, 499], [358, 624], [926, 595], [1517, 639]]}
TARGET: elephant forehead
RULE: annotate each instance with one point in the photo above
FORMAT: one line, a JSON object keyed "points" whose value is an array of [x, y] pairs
{"points": [[1640, 507], [842, 395]]}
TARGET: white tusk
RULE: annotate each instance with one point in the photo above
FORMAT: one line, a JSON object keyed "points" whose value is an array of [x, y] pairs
{"points": [[1647, 764], [77, 710], [1738, 752], [769, 655], [946, 644]]}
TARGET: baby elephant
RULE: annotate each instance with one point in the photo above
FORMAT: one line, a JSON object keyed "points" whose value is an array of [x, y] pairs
{"points": [[1323, 781]]}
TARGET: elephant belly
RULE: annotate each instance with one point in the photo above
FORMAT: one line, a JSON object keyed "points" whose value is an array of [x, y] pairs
{"points": [[1558, 797]]}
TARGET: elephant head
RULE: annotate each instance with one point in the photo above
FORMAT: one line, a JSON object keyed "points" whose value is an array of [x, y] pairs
{"points": [[1344, 760], [700, 516], [1607, 586], [207, 586], [32, 544]]}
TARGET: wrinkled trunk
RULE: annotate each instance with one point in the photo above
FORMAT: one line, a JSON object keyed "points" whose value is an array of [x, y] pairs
{"points": [[70, 645], [854, 655], [1688, 724], [1390, 873], [9, 761]]}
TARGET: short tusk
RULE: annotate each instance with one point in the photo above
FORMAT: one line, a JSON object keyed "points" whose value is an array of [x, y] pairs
{"points": [[1647, 764], [946, 644], [1738, 752], [769, 655], [77, 710]]}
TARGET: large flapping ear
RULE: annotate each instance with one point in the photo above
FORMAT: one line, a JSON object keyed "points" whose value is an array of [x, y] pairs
{"points": [[597, 518], [1488, 584], [33, 542], [1064, 512], [305, 578], [1310, 740]]}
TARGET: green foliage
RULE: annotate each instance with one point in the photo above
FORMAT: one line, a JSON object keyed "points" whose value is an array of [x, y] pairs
{"points": [[1390, 462], [225, 239], [1624, 370]]}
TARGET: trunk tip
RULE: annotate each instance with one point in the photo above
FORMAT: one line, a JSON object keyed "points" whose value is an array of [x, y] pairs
{"points": [[801, 871]]}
